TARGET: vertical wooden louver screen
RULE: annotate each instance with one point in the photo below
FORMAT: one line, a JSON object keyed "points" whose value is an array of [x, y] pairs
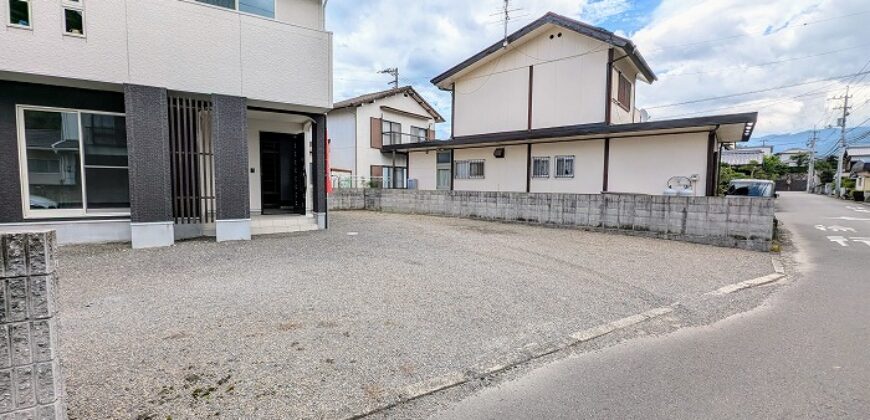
{"points": [[377, 133], [192, 166]]}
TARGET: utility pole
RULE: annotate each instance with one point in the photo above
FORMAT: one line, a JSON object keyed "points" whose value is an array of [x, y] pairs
{"points": [[811, 175], [842, 147], [394, 71]]}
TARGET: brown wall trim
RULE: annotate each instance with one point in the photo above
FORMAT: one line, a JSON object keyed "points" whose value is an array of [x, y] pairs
{"points": [[609, 90], [606, 165], [453, 111], [711, 164], [529, 168], [531, 92]]}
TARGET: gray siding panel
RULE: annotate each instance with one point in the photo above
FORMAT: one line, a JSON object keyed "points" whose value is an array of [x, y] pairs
{"points": [[230, 125], [148, 148]]}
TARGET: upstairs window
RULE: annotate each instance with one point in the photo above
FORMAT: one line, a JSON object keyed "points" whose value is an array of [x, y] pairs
{"points": [[624, 92], [392, 132], [564, 166], [74, 17], [419, 135], [541, 167], [19, 13], [265, 8]]}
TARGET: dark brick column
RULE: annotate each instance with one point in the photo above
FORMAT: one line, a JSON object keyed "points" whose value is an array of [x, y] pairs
{"points": [[147, 115], [318, 142], [230, 137]]}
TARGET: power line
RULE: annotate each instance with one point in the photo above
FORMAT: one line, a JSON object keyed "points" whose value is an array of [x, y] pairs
{"points": [[734, 95], [733, 37], [769, 63]]}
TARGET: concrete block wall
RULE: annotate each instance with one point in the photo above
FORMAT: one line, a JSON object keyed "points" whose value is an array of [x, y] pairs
{"points": [[31, 383], [739, 222]]}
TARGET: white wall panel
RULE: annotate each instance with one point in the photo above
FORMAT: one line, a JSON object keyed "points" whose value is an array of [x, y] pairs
{"points": [[644, 164]]}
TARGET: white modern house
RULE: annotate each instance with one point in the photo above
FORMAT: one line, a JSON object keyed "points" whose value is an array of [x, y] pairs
{"points": [[790, 157], [360, 127], [552, 109], [153, 120], [858, 164]]}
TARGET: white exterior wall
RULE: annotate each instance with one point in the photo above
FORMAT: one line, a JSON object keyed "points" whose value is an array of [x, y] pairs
{"points": [[588, 167], [508, 174], [341, 125], [424, 169], [255, 126], [368, 156], [619, 115], [180, 45], [570, 90], [644, 164]]}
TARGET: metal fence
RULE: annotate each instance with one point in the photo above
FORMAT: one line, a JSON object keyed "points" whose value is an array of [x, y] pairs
{"points": [[348, 182]]}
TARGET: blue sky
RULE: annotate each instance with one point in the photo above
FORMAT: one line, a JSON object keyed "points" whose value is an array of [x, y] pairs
{"points": [[699, 49]]}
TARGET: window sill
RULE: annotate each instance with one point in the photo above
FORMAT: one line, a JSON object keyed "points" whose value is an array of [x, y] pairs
{"points": [[77, 36], [21, 27], [35, 215]]}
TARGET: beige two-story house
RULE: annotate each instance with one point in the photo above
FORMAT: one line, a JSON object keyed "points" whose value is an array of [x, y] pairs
{"points": [[360, 127], [552, 109]]}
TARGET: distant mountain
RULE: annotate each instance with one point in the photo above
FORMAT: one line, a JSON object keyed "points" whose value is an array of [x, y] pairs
{"points": [[826, 144]]}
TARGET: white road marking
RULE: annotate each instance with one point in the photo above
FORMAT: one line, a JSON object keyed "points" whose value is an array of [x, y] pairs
{"points": [[731, 288], [853, 219], [835, 228], [865, 241], [840, 240]]}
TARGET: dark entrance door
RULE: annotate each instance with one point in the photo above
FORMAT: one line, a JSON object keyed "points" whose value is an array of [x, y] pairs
{"points": [[282, 173]]}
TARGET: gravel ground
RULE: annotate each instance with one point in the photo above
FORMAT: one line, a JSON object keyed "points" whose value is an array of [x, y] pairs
{"points": [[324, 324]]}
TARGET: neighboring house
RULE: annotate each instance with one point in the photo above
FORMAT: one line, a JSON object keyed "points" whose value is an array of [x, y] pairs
{"points": [[360, 127], [858, 165], [743, 156], [789, 157], [148, 121], [553, 110]]}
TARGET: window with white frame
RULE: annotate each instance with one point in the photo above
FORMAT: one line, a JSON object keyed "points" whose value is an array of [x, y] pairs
{"points": [[564, 166], [541, 167], [469, 169], [73, 163], [265, 8], [19, 13], [73, 17], [419, 135]]}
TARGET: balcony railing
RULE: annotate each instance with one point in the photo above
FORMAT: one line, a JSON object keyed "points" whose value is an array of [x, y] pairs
{"points": [[395, 138]]}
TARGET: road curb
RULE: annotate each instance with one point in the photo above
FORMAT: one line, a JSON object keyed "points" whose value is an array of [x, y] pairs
{"points": [[454, 379], [748, 284]]}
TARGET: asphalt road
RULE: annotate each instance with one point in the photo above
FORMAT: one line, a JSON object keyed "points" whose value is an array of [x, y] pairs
{"points": [[805, 354]]}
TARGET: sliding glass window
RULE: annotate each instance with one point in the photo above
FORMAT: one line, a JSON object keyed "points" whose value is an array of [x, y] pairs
{"points": [[265, 8], [74, 163]]}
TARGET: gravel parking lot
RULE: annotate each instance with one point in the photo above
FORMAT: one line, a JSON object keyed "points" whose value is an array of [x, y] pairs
{"points": [[327, 324]]}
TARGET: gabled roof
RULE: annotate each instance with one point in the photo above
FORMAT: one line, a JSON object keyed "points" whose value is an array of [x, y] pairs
{"points": [[581, 28], [372, 97]]}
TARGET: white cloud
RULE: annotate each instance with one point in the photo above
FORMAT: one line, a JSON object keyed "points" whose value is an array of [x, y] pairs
{"points": [[424, 38]]}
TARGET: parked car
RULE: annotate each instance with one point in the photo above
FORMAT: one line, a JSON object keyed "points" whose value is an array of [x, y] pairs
{"points": [[751, 188], [37, 202]]}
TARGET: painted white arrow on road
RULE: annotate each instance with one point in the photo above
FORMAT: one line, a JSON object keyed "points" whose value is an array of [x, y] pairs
{"points": [[865, 241], [840, 240]]}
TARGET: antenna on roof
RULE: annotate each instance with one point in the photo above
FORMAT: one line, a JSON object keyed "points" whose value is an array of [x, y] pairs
{"points": [[394, 71], [506, 19]]}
